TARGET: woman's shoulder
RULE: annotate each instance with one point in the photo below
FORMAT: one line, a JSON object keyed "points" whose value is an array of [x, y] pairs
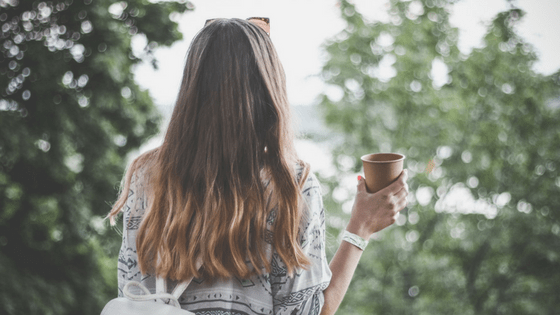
{"points": [[311, 196], [141, 164], [303, 172]]}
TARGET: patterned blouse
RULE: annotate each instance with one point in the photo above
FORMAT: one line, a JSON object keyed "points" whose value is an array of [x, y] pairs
{"points": [[270, 293]]}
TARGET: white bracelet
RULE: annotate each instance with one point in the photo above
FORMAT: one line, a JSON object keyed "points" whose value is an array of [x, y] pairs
{"points": [[354, 240]]}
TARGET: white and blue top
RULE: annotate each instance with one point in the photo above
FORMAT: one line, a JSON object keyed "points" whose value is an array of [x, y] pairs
{"points": [[270, 293]]}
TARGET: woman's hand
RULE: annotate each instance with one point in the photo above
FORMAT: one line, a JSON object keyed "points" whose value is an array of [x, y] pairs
{"points": [[371, 213], [374, 212]]}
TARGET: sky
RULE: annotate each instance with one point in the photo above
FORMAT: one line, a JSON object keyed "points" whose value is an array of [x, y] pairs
{"points": [[300, 27]]}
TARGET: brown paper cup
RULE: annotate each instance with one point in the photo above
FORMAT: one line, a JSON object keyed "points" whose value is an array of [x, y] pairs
{"points": [[381, 169]]}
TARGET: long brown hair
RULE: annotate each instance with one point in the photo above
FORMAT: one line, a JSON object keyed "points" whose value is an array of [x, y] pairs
{"points": [[227, 161]]}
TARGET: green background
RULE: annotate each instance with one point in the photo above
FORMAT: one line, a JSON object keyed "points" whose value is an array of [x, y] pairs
{"points": [[70, 112]]}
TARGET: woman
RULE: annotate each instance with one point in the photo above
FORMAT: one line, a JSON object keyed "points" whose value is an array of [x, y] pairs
{"points": [[226, 189]]}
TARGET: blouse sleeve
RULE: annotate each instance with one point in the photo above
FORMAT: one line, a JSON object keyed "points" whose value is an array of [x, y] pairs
{"points": [[303, 293], [127, 266]]}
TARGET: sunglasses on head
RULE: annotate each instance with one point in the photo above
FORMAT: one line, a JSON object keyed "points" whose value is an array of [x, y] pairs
{"points": [[263, 22]]}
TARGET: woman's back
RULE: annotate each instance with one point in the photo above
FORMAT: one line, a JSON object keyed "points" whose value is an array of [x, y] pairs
{"points": [[226, 190], [271, 292]]}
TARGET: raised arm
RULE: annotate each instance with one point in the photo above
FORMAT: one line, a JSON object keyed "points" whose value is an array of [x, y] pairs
{"points": [[371, 213]]}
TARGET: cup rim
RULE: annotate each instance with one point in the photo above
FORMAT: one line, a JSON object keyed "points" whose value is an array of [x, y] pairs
{"points": [[401, 158]]}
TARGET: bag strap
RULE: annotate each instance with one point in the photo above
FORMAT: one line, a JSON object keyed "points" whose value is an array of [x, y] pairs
{"points": [[161, 289], [161, 283], [147, 296]]}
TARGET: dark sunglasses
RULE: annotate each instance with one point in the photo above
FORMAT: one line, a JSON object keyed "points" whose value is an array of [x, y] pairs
{"points": [[263, 22]]}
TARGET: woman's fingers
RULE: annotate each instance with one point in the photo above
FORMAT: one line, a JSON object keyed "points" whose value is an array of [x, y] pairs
{"points": [[361, 184], [378, 210], [402, 203], [397, 185], [402, 193], [398, 201]]}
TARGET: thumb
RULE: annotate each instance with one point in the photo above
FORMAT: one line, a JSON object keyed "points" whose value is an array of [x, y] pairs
{"points": [[361, 184]]}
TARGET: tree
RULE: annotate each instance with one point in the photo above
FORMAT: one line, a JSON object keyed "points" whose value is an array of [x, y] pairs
{"points": [[492, 131], [70, 112]]}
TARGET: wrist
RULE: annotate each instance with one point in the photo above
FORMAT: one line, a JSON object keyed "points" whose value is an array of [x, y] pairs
{"points": [[355, 240], [359, 229]]}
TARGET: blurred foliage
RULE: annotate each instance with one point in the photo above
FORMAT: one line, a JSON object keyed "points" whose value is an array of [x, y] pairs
{"points": [[70, 112], [491, 128]]}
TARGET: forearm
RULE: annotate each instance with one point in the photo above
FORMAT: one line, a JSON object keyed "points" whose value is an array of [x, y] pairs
{"points": [[342, 265], [371, 213]]}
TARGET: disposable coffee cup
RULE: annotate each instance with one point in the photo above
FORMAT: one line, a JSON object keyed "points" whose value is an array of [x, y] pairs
{"points": [[382, 169]]}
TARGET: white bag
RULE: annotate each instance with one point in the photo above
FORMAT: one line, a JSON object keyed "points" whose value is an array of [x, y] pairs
{"points": [[148, 304]]}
